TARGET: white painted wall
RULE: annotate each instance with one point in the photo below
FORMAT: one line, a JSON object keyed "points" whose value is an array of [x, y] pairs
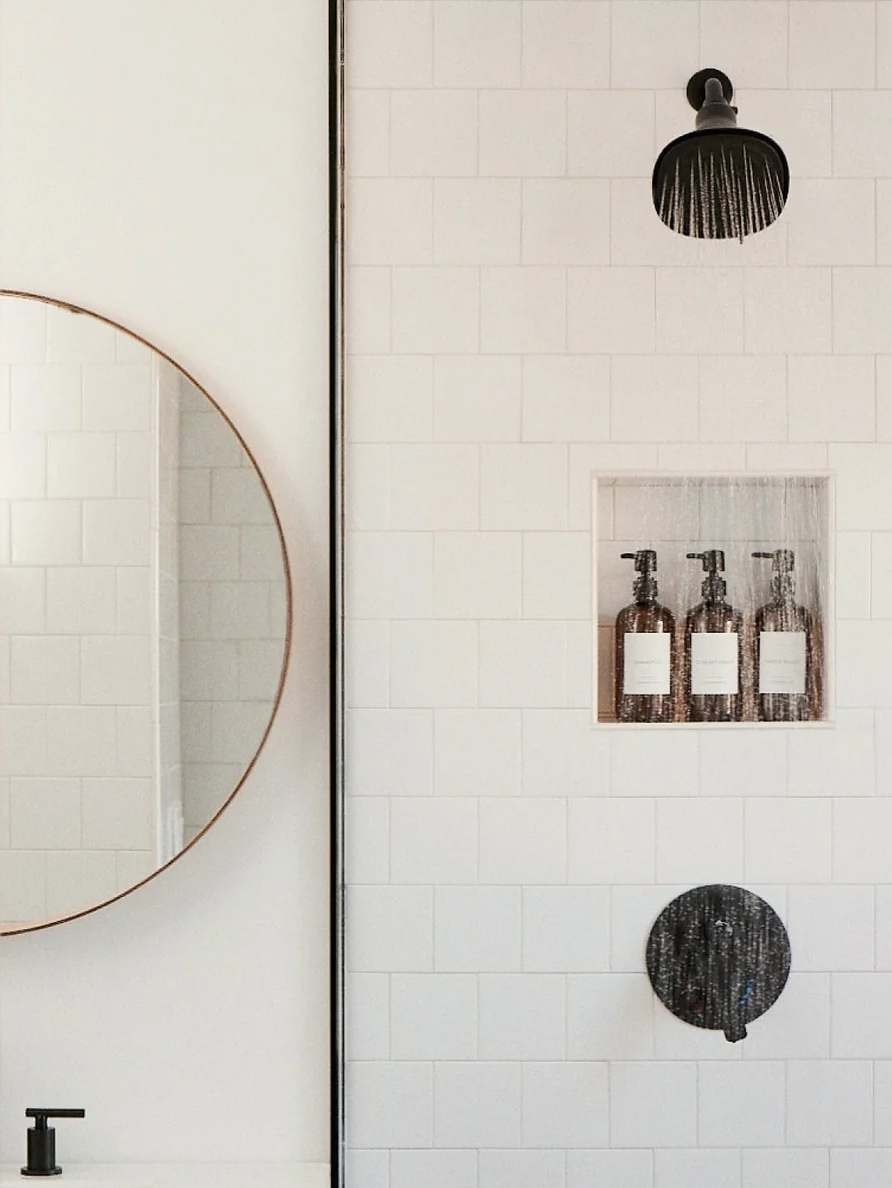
{"points": [[166, 165], [519, 318]]}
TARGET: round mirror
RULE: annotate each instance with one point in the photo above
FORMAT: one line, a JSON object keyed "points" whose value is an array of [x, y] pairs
{"points": [[144, 611]]}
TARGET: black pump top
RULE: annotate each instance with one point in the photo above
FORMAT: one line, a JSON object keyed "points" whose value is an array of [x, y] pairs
{"points": [[782, 564], [713, 560], [783, 559], [713, 587], [645, 587]]}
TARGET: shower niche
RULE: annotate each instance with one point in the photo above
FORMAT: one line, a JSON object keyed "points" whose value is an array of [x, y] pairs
{"points": [[742, 563]]}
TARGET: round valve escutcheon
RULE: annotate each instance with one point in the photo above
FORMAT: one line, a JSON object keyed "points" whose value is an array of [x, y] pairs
{"points": [[718, 957]]}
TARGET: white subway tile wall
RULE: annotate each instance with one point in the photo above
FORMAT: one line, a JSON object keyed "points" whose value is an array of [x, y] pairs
{"points": [[518, 318]]}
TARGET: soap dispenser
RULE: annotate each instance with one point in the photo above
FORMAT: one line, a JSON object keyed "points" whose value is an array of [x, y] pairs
{"points": [[784, 650], [645, 673], [713, 649]]}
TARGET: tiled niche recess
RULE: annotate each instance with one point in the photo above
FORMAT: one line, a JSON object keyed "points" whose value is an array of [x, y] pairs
{"points": [[740, 514]]}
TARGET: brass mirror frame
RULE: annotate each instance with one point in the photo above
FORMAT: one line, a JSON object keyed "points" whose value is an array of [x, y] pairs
{"points": [[289, 610]]}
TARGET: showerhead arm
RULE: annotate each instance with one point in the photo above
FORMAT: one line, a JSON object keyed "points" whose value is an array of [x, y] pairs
{"points": [[715, 110], [696, 88]]}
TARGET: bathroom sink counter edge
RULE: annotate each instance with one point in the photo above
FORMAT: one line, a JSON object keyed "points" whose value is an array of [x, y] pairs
{"points": [[178, 1175]]}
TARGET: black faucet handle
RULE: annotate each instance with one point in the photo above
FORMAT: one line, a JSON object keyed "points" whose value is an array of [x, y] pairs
{"points": [[34, 1112], [42, 1140]]}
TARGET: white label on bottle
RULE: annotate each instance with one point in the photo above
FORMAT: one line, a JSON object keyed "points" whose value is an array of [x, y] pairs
{"points": [[713, 662], [646, 663], [781, 661]]}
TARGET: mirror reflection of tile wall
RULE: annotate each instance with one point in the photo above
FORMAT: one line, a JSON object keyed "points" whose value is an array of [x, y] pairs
{"points": [[232, 609], [142, 611], [76, 680]]}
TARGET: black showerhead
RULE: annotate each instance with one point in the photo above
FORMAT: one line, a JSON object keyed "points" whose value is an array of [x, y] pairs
{"points": [[720, 181]]}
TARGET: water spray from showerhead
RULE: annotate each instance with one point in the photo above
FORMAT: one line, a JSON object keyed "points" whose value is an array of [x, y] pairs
{"points": [[719, 181]]}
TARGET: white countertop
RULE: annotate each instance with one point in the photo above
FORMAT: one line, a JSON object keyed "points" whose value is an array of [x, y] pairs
{"points": [[177, 1175]]}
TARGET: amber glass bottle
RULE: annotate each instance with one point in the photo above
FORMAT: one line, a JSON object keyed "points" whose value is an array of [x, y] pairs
{"points": [[785, 659], [645, 671], [713, 650]]}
